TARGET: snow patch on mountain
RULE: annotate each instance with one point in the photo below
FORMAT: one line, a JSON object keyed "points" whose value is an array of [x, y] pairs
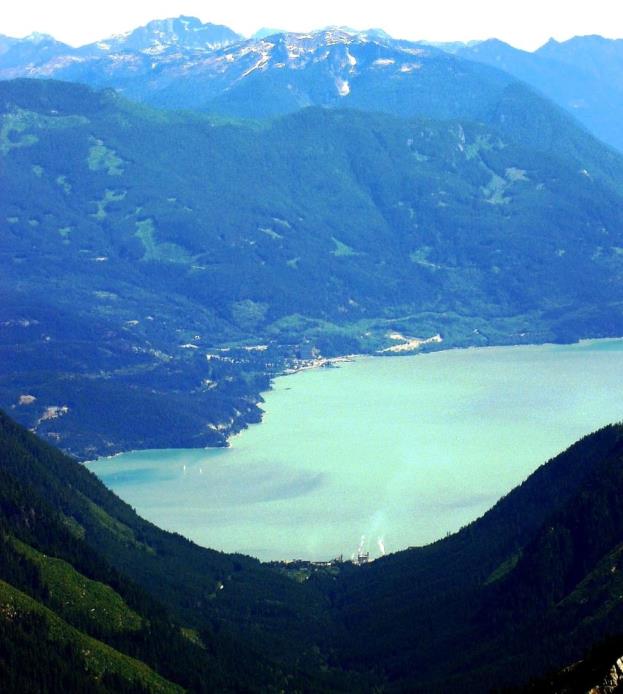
{"points": [[37, 37], [343, 87], [414, 50], [153, 59], [55, 65], [260, 65], [410, 67]]}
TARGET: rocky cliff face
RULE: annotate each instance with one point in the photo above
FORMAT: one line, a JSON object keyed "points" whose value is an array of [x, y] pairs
{"points": [[612, 681]]}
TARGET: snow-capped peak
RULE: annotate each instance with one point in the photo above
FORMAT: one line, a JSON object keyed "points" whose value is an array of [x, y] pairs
{"points": [[339, 57], [183, 32], [37, 37]]}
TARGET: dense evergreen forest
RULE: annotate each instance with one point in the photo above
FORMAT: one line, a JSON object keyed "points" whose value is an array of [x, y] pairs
{"points": [[92, 595]]}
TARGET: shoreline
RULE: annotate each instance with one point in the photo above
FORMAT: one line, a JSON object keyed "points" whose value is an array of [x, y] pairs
{"points": [[333, 362], [318, 363], [606, 352]]}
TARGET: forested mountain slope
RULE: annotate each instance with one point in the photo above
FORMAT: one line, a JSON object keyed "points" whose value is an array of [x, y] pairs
{"points": [[136, 241], [528, 588], [126, 605], [94, 569]]}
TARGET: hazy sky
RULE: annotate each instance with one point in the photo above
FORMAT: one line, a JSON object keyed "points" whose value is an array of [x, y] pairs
{"points": [[523, 23]]}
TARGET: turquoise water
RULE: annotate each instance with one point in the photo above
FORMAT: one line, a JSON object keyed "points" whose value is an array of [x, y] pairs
{"points": [[400, 451]]}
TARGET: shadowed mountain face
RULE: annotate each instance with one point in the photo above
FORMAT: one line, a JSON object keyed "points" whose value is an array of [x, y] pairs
{"points": [[103, 598], [527, 588], [135, 241], [594, 55], [117, 600], [583, 75]]}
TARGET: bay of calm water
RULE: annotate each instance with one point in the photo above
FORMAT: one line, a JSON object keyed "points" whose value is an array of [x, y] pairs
{"points": [[398, 450]]}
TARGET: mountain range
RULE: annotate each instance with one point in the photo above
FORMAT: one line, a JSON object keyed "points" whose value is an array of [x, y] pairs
{"points": [[186, 213], [583, 75], [182, 63], [272, 76]]}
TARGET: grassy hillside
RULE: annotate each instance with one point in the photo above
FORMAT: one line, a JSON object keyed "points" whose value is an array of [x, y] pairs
{"points": [[135, 242], [80, 597], [104, 666]]}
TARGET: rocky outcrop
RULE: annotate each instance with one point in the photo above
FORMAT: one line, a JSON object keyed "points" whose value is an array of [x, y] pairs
{"points": [[612, 682]]}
